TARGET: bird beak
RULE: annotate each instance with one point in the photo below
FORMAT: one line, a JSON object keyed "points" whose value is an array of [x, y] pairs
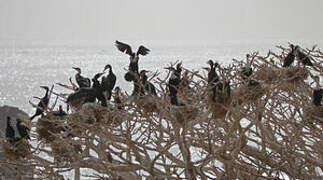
{"points": [[44, 87]]}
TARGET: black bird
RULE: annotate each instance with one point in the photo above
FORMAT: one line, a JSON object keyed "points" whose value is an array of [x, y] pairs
{"points": [[22, 129], [317, 92], [98, 88], [146, 85], [226, 88], [117, 99], [15, 131], [109, 81], [246, 71], [42, 105], [134, 58], [81, 96], [88, 94], [289, 59], [10, 132], [60, 112], [81, 81], [173, 83], [305, 59], [213, 78]]}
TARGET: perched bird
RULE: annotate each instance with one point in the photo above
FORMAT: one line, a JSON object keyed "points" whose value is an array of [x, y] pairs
{"points": [[15, 130], [81, 96], [134, 58], [42, 105], [22, 129], [212, 75], [10, 132], [108, 82], [305, 59], [224, 90], [87, 94], [81, 81], [60, 112], [213, 78], [117, 99], [246, 71], [317, 93], [146, 85], [173, 83], [289, 59], [98, 88]]}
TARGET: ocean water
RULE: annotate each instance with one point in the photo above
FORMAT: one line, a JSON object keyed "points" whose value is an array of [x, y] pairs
{"points": [[26, 66]]}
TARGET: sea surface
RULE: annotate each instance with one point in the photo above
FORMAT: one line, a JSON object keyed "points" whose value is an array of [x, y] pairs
{"points": [[26, 66]]}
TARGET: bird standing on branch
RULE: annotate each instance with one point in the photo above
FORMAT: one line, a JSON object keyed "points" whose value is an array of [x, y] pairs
{"points": [[134, 58]]}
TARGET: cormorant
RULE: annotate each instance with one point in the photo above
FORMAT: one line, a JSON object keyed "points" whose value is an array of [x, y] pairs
{"points": [[22, 129], [117, 98], [148, 86], [10, 132], [81, 81], [174, 82], [109, 81], [305, 59], [98, 88], [213, 78], [317, 93], [87, 94], [289, 59], [134, 58], [246, 71], [223, 89], [42, 105], [60, 112], [15, 131]]}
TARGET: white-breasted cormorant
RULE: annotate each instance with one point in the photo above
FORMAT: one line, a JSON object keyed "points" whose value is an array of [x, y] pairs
{"points": [[134, 58], [42, 105], [109, 81], [146, 85], [173, 83], [305, 59], [289, 59], [81, 81], [15, 130]]}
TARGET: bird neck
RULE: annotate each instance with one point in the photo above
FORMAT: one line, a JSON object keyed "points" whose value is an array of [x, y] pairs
{"points": [[46, 95]]}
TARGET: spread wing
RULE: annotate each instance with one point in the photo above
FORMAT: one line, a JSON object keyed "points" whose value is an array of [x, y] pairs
{"points": [[123, 47], [142, 50]]}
